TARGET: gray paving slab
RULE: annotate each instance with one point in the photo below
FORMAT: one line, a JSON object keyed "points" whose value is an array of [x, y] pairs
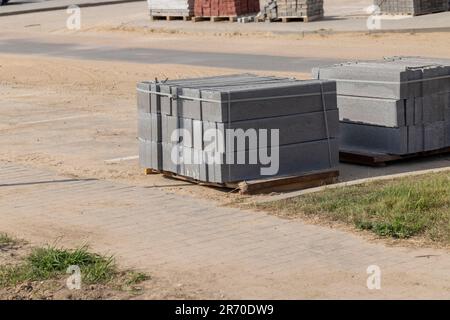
{"points": [[356, 137], [374, 111], [294, 159]]}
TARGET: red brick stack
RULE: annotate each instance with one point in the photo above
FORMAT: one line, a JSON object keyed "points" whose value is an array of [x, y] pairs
{"points": [[225, 8]]}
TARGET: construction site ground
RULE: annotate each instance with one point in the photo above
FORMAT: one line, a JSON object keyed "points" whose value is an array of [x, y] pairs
{"points": [[69, 170]]}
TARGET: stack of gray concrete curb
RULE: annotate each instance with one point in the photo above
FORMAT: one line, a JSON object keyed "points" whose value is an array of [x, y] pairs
{"points": [[308, 141], [397, 106], [412, 7]]}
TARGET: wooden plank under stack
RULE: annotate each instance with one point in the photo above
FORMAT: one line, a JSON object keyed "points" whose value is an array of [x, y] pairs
{"points": [[171, 8], [225, 8]]}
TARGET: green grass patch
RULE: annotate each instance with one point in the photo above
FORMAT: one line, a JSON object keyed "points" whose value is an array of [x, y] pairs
{"points": [[51, 262], [6, 240], [134, 278], [402, 208]]}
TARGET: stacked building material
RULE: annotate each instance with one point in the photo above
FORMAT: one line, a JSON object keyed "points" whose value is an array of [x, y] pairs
{"points": [[299, 8], [412, 7], [268, 10], [225, 8], [229, 108], [183, 8], [397, 106]]}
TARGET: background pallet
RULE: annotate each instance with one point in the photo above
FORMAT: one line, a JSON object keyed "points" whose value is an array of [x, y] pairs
{"points": [[297, 19], [170, 18], [215, 19], [381, 160]]}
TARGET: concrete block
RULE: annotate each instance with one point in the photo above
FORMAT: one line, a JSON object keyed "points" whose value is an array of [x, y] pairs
{"points": [[435, 136], [415, 139], [362, 137], [265, 98], [293, 129], [293, 160], [149, 127], [186, 126], [409, 111], [418, 110], [434, 108], [376, 80], [145, 126], [197, 134], [390, 78], [170, 124], [143, 99], [150, 154], [155, 99], [375, 111], [447, 133]]}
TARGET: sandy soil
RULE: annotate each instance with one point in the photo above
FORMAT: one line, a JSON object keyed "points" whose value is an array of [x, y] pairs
{"points": [[71, 116]]}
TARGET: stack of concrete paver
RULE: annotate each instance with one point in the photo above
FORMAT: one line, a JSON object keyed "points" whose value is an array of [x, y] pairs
{"points": [[397, 106], [268, 9], [299, 8], [412, 7], [184, 8], [225, 8], [308, 141]]}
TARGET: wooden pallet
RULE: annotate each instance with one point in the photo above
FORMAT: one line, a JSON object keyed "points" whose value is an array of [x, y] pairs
{"points": [[381, 159], [269, 185], [297, 19], [215, 19], [170, 17], [411, 14]]}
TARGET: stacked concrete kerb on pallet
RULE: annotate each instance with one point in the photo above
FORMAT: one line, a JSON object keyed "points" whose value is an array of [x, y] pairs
{"points": [[171, 8], [279, 9], [308, 141], [412, 7], [397, 106]]}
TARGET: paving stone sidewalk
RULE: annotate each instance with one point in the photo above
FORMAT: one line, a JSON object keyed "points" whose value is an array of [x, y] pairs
{"points": [[224, 252]]}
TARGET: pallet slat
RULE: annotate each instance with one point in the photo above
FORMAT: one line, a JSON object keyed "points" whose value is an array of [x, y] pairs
{"points": [[269, 185], [296, 19], [380, 159], [283, 184], [215, 19], [170, 17]]}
